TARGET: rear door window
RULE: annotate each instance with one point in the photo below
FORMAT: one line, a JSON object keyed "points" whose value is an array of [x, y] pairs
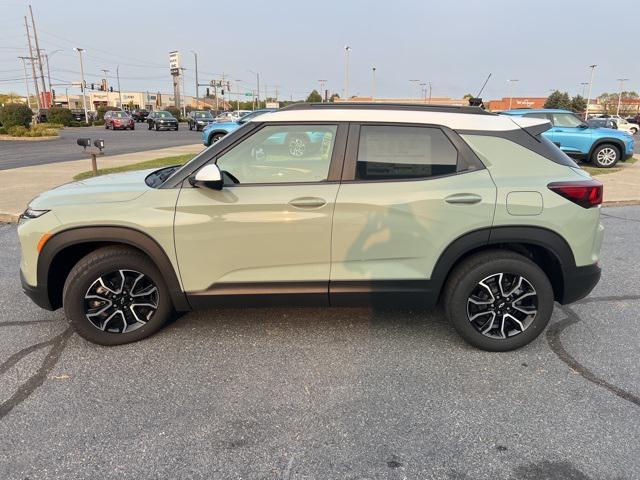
{"points": [[389, 152]]}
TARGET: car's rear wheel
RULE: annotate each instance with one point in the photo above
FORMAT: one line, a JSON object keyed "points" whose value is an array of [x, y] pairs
{"points": [[498, 300], [605, 156], [116, 295], [633, 130], [157, 128]]}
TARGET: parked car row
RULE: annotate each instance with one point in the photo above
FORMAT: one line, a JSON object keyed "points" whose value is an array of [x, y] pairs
{"points": [[603, 147]]}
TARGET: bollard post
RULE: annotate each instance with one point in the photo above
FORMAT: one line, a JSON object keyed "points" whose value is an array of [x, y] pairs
{"points": [[94, 164]]}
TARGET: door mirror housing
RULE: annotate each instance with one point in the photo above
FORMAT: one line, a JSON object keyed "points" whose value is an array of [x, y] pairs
{"points": [[208, 176], [583, 125]]}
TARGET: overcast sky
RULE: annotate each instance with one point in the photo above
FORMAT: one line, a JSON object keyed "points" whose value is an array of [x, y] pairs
{"points": [[455, 44]]}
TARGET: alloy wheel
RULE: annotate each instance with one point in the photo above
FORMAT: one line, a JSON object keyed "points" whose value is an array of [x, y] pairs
{"points": [[502, 305], [607, 156], [296, 147], [121, 301]]}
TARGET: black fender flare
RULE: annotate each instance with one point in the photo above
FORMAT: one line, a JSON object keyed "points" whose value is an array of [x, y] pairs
{"points": [[111, 234], [547, 239]]}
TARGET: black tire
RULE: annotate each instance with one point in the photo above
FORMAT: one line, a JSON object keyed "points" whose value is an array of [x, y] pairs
{"points": [[157, 128], [215, 137], [149, 126], [100, 263], [609, 155], [633, 131], [190, 127], [465, 279], [106, 127], [176, 129]]}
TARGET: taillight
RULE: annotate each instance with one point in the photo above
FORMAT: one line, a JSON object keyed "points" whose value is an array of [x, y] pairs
{"points": [[586, 193]]}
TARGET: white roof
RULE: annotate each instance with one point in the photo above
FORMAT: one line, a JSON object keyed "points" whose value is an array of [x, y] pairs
{"points": [[455, 121]]}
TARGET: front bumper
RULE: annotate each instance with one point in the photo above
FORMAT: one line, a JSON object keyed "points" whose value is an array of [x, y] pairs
{"points": [[38, 294], [578, 283]]}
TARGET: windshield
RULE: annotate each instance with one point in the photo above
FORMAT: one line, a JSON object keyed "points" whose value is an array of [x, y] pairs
{"points": [[164, 115], [202, 115], [120, 115]]}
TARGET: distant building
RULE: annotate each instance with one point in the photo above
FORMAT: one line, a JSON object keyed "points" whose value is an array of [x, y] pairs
{"points": [[414, 101], [515, 102], [131, 100]]}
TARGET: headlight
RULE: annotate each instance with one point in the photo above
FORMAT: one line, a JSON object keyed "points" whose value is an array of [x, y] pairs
{"points": [[31, 213]]}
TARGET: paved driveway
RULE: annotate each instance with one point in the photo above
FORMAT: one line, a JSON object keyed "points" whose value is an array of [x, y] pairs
{"points": [[327, 393], [14, 153]]}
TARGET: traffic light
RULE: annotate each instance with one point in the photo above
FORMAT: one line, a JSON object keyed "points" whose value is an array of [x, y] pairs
{"points": [[222, 92], [208, 93], [111, 89], [53, 93], [93, 86]]}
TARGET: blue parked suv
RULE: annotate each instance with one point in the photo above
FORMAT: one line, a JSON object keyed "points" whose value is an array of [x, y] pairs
{"points": [[215, 131], [603, 147]]}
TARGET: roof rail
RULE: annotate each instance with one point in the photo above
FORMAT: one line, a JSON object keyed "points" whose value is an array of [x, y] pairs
{"points": [[388, 106]]}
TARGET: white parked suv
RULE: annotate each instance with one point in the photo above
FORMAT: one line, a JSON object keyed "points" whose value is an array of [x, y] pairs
{"points": [[624, 125]]}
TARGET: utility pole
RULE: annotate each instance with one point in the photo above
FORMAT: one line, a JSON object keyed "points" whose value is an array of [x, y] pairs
{"points": [[511, 82], [373, 83], [83, 86], [586, 111], [584, 85], [184, 100], [33, 67], [195, 55], [621, 80], [120, 91], [429, 93], [26, 81], [46, 58], [347, 49], [35, 37]]}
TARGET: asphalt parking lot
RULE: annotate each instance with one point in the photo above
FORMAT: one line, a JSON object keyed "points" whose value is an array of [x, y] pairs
{"points": [[327, 393], [15, 153]]}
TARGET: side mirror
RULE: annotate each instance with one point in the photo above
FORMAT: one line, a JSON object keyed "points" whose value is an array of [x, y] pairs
{"points": [[208, 176], [583, 125]]}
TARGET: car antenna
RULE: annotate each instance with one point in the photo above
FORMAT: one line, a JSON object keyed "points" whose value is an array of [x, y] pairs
{"points": [[477, 100]]}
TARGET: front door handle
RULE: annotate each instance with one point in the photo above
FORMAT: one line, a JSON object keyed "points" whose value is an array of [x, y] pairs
{"points": [[463, 198], [308, 202]]}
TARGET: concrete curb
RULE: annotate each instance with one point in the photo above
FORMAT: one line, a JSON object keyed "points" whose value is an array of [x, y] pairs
{"points": [[9, 138], [9, 218]]}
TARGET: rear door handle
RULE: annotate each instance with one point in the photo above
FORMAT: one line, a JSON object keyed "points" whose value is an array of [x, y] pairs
{"points": [[308, 202], [463, 198]]}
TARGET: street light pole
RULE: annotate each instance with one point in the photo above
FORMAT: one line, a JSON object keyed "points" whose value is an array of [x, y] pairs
{"points": [[586, 111], [347, 48], [33, 67], [373, 83], [83, 86], [26, 82], [621, 80], [511, 82], [429, 93], [195, 56], [120, 91], [106, 85]]}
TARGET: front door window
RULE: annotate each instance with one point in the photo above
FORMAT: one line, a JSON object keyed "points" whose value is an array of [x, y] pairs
{"points": [[281, 154]]}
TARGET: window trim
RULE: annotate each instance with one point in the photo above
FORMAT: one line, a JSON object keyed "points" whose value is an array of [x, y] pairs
{"points": [[467, 160]]}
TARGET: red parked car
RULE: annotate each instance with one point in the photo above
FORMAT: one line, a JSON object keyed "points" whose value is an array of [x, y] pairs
{"points": [[118, 120]]}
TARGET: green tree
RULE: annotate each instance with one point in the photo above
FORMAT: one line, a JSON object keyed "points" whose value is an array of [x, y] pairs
{"points": [[578, 103], [314, 97], [558, 99], [333, 97], [60, 115], [609, 102], [15, 114]]}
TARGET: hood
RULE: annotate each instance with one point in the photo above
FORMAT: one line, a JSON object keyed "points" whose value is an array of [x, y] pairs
{"points": [[117, 187]]}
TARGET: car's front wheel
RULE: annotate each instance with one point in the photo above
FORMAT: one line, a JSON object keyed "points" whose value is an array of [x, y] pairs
{"points": [[498, 300], [605, 156], [215, 137], [116, 295], [633, 130]]}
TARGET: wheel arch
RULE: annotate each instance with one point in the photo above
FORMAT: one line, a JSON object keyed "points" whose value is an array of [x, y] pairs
{"points": [[544, 247], [601, 141], [66, 248]]}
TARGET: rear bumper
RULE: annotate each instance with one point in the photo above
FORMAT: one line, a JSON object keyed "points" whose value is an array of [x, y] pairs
{"points": [[578, 283], [38, 294]]}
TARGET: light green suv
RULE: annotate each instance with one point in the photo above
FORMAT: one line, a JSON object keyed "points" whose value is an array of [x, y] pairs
{"points": [[328, 204]]}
